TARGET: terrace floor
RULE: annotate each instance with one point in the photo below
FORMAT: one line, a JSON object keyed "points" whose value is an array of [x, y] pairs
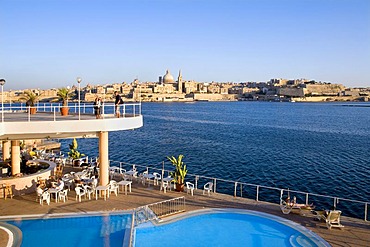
{"points": [[355, 233]]}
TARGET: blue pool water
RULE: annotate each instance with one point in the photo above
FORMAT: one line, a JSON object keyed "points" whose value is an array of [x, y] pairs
{"points": [[88, 231], [227, 229], [217, 227]]}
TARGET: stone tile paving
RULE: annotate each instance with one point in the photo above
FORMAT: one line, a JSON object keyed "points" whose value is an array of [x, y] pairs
{"points": [[355, 233]]}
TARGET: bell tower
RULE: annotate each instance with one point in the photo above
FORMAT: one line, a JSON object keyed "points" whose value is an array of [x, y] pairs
{"points": [[179, 82]]}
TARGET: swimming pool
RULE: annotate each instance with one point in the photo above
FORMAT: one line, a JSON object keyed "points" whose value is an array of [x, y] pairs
{"points": [[92, 230], [226, 228], [216, 227]]}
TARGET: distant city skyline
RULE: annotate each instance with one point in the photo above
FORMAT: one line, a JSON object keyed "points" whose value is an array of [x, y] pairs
{"points": [[47, 44]]}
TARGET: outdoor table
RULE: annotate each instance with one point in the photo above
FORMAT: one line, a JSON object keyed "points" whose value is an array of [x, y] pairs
{"points": [[130, 173], [125, 184], [167, 179], [102, 188], [148, 177], [54, 191]]}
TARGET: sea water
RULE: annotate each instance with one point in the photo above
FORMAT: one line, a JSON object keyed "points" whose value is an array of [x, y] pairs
{"points": [[320, 148]]}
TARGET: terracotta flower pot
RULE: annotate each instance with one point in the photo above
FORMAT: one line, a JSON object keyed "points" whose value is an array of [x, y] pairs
{"points": [[33, 110], [180, 187], [64, 110]]}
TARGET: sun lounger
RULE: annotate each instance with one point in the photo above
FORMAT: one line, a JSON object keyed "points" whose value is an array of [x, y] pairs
{"points": [[331, 218], [287, 206]]}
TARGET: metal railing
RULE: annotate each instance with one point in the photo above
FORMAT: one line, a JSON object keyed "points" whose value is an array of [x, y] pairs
{"points": [[261, 192], [107, 110], [160, 209]]}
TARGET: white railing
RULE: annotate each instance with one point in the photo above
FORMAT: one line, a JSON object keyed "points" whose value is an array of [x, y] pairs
{"points": [[107, 110], [160, 209], [255, 191]]}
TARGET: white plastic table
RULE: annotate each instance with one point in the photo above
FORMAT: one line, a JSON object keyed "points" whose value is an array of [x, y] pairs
{"points": [[148, 177], [125, 184], [54, 191], [102, 188]]}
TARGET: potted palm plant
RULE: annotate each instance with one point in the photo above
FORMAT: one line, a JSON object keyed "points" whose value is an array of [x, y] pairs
{"points": [[73, 153], [31, 99], [179, 173], [64, 94]]}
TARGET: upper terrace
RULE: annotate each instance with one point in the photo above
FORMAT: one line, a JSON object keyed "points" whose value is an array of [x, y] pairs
{"points": [[17, 123]]}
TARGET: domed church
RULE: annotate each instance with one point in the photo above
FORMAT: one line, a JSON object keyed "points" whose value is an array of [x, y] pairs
{"points": [[168, 78]]}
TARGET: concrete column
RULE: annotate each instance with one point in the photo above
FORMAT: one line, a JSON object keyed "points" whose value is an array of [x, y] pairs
{"points": [[103, 158], [16, 158], [6, 150]]}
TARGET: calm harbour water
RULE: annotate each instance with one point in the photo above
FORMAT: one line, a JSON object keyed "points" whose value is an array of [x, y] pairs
{"points": [[320, 148]]}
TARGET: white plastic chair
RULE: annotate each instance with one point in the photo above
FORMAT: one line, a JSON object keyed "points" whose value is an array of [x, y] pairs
{"points": [[63, 195], [45, 196], [190, 187], [80, 192], [113, 187], [165, 185], [208, 187], [157, 177], [88, 190]]}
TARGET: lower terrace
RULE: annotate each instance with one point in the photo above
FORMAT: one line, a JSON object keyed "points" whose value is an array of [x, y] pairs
{"points": [[355, 233]]}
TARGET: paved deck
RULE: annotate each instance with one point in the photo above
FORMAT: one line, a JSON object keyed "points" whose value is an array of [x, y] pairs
{"points": [[355, 233]]}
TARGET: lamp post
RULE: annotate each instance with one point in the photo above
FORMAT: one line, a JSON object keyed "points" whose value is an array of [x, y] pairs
{"points": [[79, 104], [2, 82]]}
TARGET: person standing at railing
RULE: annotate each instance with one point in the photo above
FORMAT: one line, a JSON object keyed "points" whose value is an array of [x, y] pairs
{"points": [[97, 105], [117, 102]]}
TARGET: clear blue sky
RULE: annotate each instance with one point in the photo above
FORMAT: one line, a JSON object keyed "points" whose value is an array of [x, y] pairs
{"points": [[48, 43]]}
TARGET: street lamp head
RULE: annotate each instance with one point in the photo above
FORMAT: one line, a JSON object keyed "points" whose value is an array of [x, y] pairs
{"points": [[79, 79], [2, 82]]}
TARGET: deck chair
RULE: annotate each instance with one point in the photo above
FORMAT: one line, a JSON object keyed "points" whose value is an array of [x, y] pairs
{"points": [[208, 187], [63, 195], [190, 188], [45, 196], [113, 187], [333, 219], [79, 193], [157, 177], [287, 206]]}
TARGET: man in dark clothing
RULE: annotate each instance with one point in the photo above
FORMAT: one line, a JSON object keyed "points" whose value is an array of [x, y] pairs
{"points": [[117, 102]]}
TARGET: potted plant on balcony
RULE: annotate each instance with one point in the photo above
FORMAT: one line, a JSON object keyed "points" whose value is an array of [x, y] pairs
{"points": [[179, 173], [64, 94], [73, 153], [31, 99]]}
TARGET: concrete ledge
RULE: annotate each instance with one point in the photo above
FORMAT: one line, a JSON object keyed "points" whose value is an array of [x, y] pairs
{"points": [[27, 183]]}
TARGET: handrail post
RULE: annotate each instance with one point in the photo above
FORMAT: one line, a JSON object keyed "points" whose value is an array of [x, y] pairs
{"points": [[235, 186], [196, 182], [214, 185], [306, 198], [258, 190], [365, 211], [241, 190], [29, 114], [281, 196], [335, 203], [54, 113]]}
